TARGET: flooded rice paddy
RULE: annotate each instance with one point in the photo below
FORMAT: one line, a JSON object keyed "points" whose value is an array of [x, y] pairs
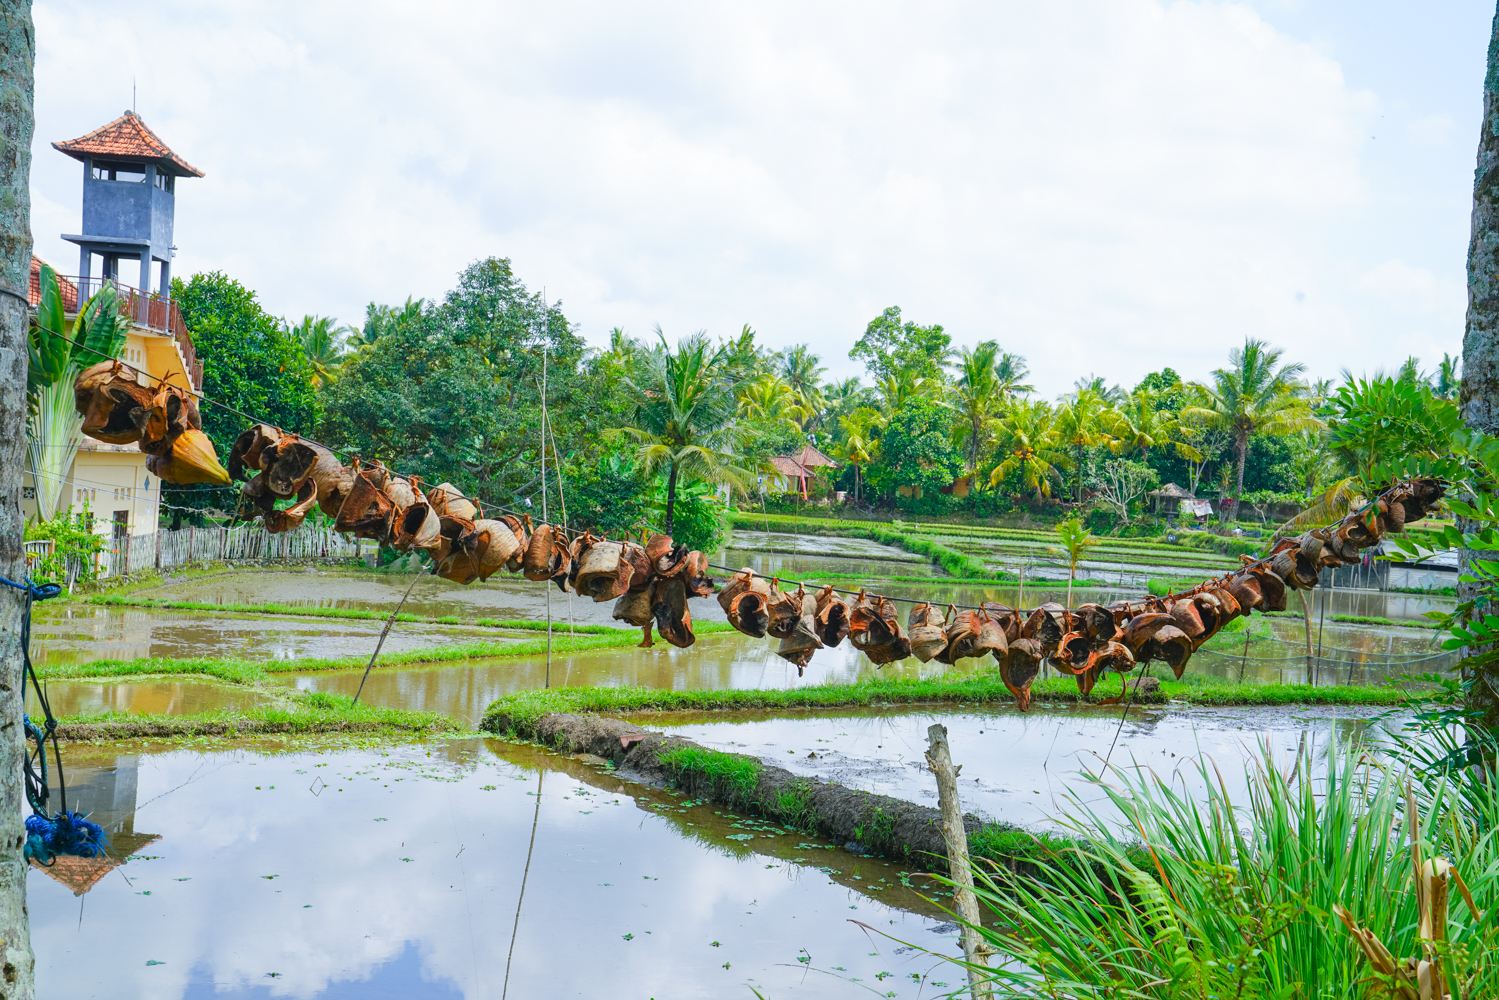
{"points": [[467, 869], [1024, 768]]}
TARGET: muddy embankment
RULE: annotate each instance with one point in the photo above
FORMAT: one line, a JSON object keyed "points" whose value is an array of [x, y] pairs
{"points": [[875, 824]]}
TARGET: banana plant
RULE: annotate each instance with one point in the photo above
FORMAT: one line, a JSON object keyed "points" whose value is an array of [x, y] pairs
{"points": [[56, 356]]}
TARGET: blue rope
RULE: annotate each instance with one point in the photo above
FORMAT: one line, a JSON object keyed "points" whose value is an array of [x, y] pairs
{"points": [[65, 832]]}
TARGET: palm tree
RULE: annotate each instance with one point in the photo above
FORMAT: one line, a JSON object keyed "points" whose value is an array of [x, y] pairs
{"points": [[322, 340], [1081, 423], [1076, 541], [1446, 381], [1255, 394], [1097, 384], [897, 390], [1026, 436], [1136, 424], [798, 367], [379, 321], [978, 399], [769, 400], [682, 413], [842, 398], [741, 357], [1010, 370], [860, 444]]}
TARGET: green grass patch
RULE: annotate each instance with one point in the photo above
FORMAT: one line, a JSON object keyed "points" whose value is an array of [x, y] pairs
{"points": [[293, 712], [732, 772]]}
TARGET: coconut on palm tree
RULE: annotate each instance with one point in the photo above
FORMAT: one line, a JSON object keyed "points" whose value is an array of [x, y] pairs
{"points": [[1136, 425], [798, 368], [682, 414], [1255, 394], [1026, 437]]}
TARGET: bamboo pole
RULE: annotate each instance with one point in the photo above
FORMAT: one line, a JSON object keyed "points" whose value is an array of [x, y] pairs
{"points": [[975, 951], [1306, 616]]}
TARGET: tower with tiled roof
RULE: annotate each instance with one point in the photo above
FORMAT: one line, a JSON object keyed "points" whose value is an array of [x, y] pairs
{"points": [[129, 197]]}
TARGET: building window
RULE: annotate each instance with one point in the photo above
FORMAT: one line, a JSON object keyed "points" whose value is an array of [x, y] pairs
{"points": [[164, 180], [130, 173]]}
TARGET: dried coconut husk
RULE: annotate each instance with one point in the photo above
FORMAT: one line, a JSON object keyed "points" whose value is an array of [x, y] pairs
{"points": [[418, 526], [962, 629], [522, 540], [1071, 656], [1086, 680], [1018, 668], [832, 617], [1171, 645], [784, 609], [669, 605], [640, 567], [991, 638], [245, 456], [544, 554], [1095, 621], [460, 559], [113, 403], [1341, 547], [1187, 616], [1047, 624], [750, 612], [1007, 617], [740, 583], [448, 501], [695, 572], [171, 414], [927, 633], [496, 543], [1272, 587], [1139, 630], [190, 459], [667, 558], [578, 550], [599, 571], [1212, 614], [279, 521], [367, 512], [634, 608], [398, 489], [874, 629], [801, 641], [1246, 591], [1115, 656]]}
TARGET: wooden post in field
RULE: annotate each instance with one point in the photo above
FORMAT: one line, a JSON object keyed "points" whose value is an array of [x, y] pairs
{"points": [[975, 951]]}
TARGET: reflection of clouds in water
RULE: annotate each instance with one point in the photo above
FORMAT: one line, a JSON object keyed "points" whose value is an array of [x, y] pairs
{"points": [[1025, 767], [344, 909]]}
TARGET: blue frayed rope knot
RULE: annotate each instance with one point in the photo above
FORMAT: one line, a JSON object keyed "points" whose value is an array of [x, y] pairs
{"points": [[66, 832]]}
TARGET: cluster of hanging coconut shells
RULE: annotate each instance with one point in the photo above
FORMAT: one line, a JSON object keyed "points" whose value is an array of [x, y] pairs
{"points": [[650, 584], [163, 421], [1086, 642]]}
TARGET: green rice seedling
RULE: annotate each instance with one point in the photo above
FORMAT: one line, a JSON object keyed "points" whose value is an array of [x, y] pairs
{"points": [[1193, 896]]}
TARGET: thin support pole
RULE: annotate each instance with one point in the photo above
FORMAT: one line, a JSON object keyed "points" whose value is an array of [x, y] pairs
{"points": [[975, 951], [385, 632], [1306, 617], [544, 508], [525, 874]]}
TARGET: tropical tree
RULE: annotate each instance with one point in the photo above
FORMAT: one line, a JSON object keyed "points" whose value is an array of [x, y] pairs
{"points": [[682, 416], [1255, 394], [322, 341], [859, 442], [1097, 384], [1446, 381], [1082, 422], [892, 346], [1027, 439], [56, 354], [1137, 424], [978, 398], [1076, 541], [900, 389], [1011, 372], [379, 321], [798, 369], [842, 398], [770, 402]]}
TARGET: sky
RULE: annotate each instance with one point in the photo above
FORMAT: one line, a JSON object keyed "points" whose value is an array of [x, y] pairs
{"points": [[1103, 186]]}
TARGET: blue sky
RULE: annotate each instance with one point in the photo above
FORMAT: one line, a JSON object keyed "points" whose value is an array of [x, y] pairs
{"points": [[1104, 186]]}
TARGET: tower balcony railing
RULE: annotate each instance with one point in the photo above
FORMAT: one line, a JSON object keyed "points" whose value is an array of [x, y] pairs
{"points": [[153, 311]]}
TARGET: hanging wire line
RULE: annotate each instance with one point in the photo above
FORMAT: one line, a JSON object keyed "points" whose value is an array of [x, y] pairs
{"points": [[482, 504]]}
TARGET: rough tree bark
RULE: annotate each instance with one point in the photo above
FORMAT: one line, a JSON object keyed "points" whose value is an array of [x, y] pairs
{"points": [[1480, 387], [16, 59]]}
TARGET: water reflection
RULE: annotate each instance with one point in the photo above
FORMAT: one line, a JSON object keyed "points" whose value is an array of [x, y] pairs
{"points": [[78, 633], [144, 697], [1022, 767], [396, 872]]}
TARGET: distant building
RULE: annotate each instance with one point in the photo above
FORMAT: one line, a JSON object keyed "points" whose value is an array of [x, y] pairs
{"points": [[795, 471], [129, 203]]}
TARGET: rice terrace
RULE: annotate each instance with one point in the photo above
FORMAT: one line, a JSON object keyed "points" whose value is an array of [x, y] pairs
{"points": [[1059, 563]]}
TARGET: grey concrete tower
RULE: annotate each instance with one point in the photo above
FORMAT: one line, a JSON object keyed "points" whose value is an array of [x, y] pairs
{"points": [[129, 193]]}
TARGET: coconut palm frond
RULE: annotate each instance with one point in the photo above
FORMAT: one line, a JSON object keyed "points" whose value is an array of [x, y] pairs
{"points": [[1334, 503]]}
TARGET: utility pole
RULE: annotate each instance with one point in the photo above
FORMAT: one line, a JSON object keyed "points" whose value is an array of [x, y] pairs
{"points": [[17, 59]]}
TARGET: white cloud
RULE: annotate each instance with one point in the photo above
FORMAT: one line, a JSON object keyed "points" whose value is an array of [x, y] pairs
{"points": [[1081, 180]]}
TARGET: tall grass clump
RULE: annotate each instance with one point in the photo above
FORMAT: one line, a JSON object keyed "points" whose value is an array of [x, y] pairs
{"points": [[1198, 897]]}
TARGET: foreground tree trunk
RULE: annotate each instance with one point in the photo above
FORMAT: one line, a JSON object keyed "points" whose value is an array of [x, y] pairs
{"points": [[16, 982], [1480, 386]]}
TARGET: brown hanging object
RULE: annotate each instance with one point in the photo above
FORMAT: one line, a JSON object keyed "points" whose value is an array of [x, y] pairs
{"points": [[784, 610], [458, 550], [1071, 656], [545, 554], [1086, 679], [522, 541], [962, 630], [695, 572], [278, 521], [1047, 624], [245, 456], [1297, 560], [1114, 656], [448, 500], [1018, 668], [991, 638], [1095, 621], [495, 544], [635, 608], [113, 404], [367, 512], [927, 634], [418, 526], [667, 558], [832, 617], [1007, 618], [578, 550], [1272, 587], [875, 631], [1188, 617], [669, 605], [600, 570], [748, 616], [633, 558], [1246, 591], [801, 641]]}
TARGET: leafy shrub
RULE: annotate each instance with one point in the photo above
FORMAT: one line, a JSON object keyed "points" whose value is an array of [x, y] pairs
{"points": [[73, 538]]}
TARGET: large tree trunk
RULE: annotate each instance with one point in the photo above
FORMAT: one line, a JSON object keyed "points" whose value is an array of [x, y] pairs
{"points": [[16, 962], [1480, 386], [1242, 447], [671, 498]]}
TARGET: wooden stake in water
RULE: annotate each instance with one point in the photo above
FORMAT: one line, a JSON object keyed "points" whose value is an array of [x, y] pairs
{"points": [[975, 951]]}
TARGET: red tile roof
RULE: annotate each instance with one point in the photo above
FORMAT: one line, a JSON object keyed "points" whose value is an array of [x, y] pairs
{"points": [[812, 458], [788, 466], [127, 138], [68, 290]]}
